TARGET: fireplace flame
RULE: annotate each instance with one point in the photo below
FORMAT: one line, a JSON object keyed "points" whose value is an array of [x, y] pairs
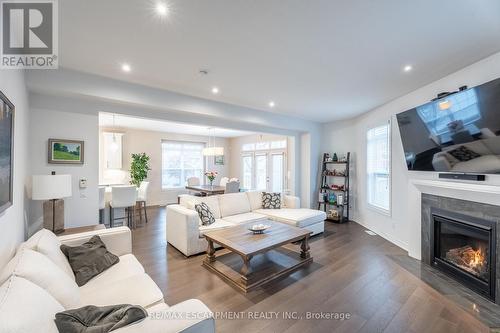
{"points": [[477, 258], [470, 260]]}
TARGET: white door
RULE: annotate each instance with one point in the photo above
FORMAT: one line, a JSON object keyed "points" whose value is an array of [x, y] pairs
{"points": [[264, 171]]}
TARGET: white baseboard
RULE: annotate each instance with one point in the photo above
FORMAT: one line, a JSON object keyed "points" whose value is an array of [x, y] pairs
{"points": [[395, 241]]}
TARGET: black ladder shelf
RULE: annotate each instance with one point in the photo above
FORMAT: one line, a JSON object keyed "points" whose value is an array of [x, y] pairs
{"points": [[327, 180]]}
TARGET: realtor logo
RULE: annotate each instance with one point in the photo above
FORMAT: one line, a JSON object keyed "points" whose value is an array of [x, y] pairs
{"points": [[29, 34]]}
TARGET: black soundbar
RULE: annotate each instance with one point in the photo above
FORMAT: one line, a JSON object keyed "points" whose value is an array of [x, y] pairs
{"points": [[463, 176]]}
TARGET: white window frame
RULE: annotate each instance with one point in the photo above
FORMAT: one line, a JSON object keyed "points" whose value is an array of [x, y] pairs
{"points": [[204, 144], [370, 205]]}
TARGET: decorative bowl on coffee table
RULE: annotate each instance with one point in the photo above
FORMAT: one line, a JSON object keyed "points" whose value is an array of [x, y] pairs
{"points": [[259, 228]]}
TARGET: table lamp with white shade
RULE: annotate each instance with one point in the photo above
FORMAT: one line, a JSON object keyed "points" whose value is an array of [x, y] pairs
{"points": [[52, 188]]}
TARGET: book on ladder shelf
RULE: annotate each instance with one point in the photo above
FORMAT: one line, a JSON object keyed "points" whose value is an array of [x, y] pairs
{"points": [[333, 195]]}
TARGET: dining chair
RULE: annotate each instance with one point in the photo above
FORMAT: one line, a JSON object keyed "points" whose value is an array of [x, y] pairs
{"points": [[102, 204], [224, 181], [123, 197], [194, 181], [142, 198], [232, 187]]}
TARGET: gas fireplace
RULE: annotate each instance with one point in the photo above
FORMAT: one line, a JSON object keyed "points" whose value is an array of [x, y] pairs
{"points": [[464, 248]]}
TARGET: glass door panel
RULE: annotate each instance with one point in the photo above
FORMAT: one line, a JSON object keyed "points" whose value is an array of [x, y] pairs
{"points": [[261, 172], [247, 162], [277, 172]]}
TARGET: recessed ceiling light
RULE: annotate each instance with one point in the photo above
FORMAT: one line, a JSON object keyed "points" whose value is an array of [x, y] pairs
{"points": [[126, 68], [271, 104], [162, 9], [408, 68], [215, 90]]}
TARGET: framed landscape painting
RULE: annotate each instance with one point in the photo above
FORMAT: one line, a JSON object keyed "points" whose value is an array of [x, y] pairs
{"points": [[6, 151], [66, 151]]}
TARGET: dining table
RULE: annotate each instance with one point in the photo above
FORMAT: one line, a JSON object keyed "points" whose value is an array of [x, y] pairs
{"points": [[207, 189]]}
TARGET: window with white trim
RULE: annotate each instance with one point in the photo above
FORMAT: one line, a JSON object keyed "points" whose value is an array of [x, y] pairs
{"points": [[378, 160], [181, 160]]}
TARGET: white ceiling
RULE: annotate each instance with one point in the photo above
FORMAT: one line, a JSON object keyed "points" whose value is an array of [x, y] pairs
{"points": [[122, 121], [320, 59]]}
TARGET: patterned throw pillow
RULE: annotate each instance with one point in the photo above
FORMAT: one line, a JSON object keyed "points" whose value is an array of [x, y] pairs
{"points": [[271, 200], [464, 154], [206, 215]]}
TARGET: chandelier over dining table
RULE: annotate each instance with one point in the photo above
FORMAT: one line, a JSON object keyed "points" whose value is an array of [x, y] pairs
{"points": [[212, 149]]}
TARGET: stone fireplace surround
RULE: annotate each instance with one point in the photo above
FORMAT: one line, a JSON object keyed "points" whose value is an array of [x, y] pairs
{"points": [[474, 192], [468, 208], [473, 304], [480, 194]]}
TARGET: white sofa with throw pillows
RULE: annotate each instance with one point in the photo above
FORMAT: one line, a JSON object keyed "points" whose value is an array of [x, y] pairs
{"points": [[39, 282], [185, 229]]}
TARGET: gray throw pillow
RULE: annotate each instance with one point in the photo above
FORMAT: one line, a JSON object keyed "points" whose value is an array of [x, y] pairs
{"points": [[271, 200], [89, 259], [205, 214]]}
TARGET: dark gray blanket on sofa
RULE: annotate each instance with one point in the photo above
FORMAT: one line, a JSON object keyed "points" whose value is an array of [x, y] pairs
{"points": [[103, 319]]}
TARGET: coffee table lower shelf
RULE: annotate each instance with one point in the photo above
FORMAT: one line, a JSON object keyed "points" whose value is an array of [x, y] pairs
{"points": [[264, 268]]}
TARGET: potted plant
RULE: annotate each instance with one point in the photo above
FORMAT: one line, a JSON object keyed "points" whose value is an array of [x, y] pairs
{"points": [[211, 176], [139, 168]]}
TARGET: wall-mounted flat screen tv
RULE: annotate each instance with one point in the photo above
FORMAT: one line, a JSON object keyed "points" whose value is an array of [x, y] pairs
{"points": [[458, 133]]}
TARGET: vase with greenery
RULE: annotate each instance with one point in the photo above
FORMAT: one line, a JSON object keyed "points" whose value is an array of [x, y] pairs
{"points": [[139, 168]]}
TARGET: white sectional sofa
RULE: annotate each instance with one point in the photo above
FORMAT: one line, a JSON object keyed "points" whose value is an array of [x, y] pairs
{"points": [[185, 232], [38, 282]]}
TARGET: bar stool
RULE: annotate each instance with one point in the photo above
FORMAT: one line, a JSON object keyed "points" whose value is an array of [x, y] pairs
{"points": [[123, 197], [142, 198], [102, 204]]}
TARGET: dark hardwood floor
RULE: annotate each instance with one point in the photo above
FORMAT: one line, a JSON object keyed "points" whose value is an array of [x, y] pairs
{"points": [[351, 273]]}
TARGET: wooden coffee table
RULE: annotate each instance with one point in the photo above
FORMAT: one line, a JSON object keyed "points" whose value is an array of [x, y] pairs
{"points": [[264, 257]]}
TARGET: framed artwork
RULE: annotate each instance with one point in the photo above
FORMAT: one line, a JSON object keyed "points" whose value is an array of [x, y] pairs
{"points": [[219, 160], [6, 151], [66, 151]]}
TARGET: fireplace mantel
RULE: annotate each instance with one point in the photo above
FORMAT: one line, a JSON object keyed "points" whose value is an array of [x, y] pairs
{"points": [[482, 193], [466, 191]]}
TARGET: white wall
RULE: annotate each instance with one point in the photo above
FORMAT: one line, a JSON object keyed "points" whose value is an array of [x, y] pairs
{"points": [[82, 208], [149, 142], [13, 221], [235, 162], [351, 135]]}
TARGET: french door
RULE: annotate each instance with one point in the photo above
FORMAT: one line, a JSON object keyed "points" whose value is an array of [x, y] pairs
{"points": [[264, 171]]}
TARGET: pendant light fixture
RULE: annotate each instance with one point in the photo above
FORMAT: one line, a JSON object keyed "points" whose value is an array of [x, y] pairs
{"points": [[211, 149], [114, 144]]}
